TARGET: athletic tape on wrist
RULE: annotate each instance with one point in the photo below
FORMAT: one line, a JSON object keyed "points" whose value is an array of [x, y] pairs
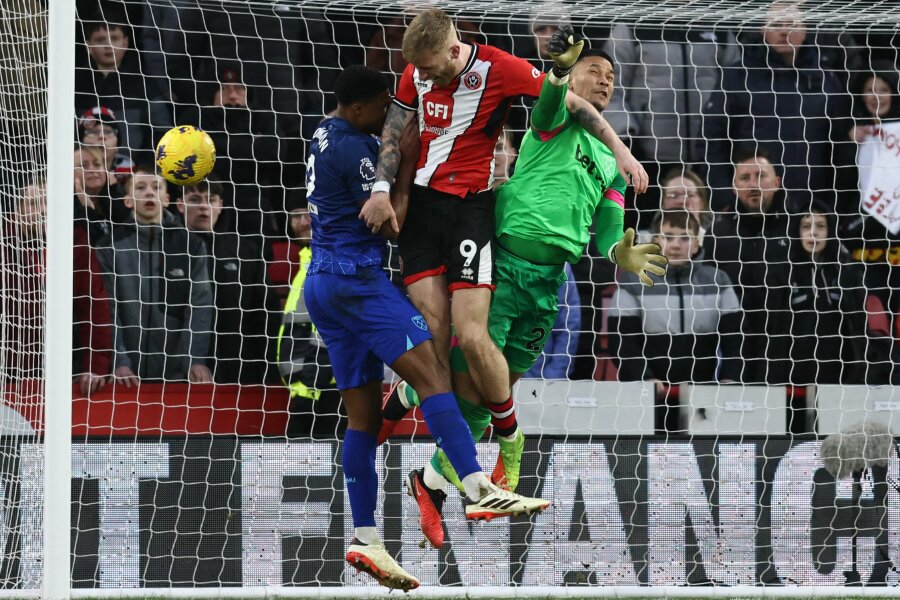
{"points": [[612, 253], [557, 79], [559, 72], [381, 186]]}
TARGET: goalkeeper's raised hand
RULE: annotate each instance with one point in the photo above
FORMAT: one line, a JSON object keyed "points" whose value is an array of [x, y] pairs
{"points": [[639, 259], [565, 50]]}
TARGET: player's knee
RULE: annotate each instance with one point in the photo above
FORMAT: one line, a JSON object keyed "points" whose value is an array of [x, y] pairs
{"points": [[435, 319], [472, 337], [364, 419], [426, 373], [374, 425], [436, 315], [438, 374]]}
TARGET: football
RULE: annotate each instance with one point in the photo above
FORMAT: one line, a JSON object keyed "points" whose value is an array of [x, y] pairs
{"points": [[185, 155]]}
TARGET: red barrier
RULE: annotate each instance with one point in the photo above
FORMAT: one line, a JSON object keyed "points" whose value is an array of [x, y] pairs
{"points": [[161, 409], [154, 409]]}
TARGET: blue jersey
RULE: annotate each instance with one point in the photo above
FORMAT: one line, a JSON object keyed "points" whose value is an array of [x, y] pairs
{"points": [[340, 173]]}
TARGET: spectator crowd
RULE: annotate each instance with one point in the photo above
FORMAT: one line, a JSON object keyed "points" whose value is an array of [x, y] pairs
{"points": [[753, 137]]}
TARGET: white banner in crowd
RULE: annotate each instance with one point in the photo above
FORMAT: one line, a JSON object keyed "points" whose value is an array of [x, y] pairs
{"points": [[878, 160]]}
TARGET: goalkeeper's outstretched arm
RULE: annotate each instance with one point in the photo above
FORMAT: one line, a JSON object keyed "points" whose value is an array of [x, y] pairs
{"points": [[550, 111], [620, 248], [593, 122], [609, 222], [565, 51]]}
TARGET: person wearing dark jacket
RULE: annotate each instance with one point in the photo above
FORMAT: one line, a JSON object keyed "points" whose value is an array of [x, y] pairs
{"points": [[784, 98], [23, 289], [747, 244], [816, 307], [666, 75], [246, 149], [99, 127], [303, 361], [673, 332], [96, 199], [162, 297], [240, 289], [113, 78], [92, 327]]}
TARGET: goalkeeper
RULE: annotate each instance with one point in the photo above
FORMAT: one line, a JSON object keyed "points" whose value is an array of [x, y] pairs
{"points": [[565, 181]]}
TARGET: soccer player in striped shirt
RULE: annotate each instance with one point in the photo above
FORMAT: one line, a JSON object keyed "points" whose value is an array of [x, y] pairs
{"points": [[565, 181], [366, 323], [461, 94]]}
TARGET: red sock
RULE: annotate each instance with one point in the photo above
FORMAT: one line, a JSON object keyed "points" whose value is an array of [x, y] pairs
{"points": [[503, 418]]}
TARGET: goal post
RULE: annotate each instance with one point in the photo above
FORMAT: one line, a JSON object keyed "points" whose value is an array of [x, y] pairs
{"points": [[704, 485], [57, 476]]}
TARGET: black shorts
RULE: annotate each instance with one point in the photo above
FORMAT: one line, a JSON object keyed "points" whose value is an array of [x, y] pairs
{"points": [[447, 235]]}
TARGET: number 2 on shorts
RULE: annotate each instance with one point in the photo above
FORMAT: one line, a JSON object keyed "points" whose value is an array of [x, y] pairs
{"points": [[533, 343]]}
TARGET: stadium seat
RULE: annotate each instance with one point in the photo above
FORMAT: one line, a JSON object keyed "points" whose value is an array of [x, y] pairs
{"points": [[283, 266], [606, 369], [877, 321]]}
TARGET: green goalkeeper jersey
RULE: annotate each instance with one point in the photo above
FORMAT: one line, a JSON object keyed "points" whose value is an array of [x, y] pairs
{"points": [[565, 179]]}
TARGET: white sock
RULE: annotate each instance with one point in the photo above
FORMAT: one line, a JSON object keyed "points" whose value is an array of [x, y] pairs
{"points": [[404, 391], [433, 479], [367, 536], [474, 484], [401, 393]]}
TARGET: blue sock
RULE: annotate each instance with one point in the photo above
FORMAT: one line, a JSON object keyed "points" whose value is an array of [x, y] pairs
{"points": [[360, 476], [451, 433]]}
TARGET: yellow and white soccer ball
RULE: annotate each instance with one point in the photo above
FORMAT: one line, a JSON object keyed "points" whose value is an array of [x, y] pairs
{"points": [[185, 155]]}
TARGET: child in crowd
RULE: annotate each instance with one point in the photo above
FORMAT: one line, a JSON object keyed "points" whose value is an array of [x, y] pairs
{"points": [[159, 279]]}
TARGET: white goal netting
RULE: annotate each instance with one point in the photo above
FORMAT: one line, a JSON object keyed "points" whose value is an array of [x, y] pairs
{"points": [[678, 429]]}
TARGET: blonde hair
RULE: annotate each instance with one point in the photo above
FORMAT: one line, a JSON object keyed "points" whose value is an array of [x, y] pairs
{"points": [[429, 31], [95, 151]]}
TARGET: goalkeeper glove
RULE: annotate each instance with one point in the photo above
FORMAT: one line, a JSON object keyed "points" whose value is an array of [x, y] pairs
{"points": [[564, 50], [638, 259]]}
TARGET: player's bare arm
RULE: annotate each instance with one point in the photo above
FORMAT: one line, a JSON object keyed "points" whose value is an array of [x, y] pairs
{"points": [[565, 49], [588, 117], [389, 154], [410, 146], [378, 208]]}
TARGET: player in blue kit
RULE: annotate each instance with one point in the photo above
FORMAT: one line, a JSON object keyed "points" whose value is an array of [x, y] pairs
{"points": [[366, 322]]}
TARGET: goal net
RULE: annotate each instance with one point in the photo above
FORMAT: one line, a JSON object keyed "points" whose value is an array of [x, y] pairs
{"points": [[727, 431]]}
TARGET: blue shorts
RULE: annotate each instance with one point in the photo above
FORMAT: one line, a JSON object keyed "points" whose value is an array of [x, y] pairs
{"points": [[364, 321]]}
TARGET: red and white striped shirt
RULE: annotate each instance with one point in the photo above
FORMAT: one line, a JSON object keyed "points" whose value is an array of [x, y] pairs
{"points": [[459, 123]]}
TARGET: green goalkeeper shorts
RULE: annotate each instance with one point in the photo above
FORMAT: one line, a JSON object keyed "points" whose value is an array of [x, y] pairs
{"points": [[523, 310]]}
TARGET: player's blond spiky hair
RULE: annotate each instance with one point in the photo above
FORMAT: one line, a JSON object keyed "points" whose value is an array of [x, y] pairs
{"points": [[428, 32]]}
